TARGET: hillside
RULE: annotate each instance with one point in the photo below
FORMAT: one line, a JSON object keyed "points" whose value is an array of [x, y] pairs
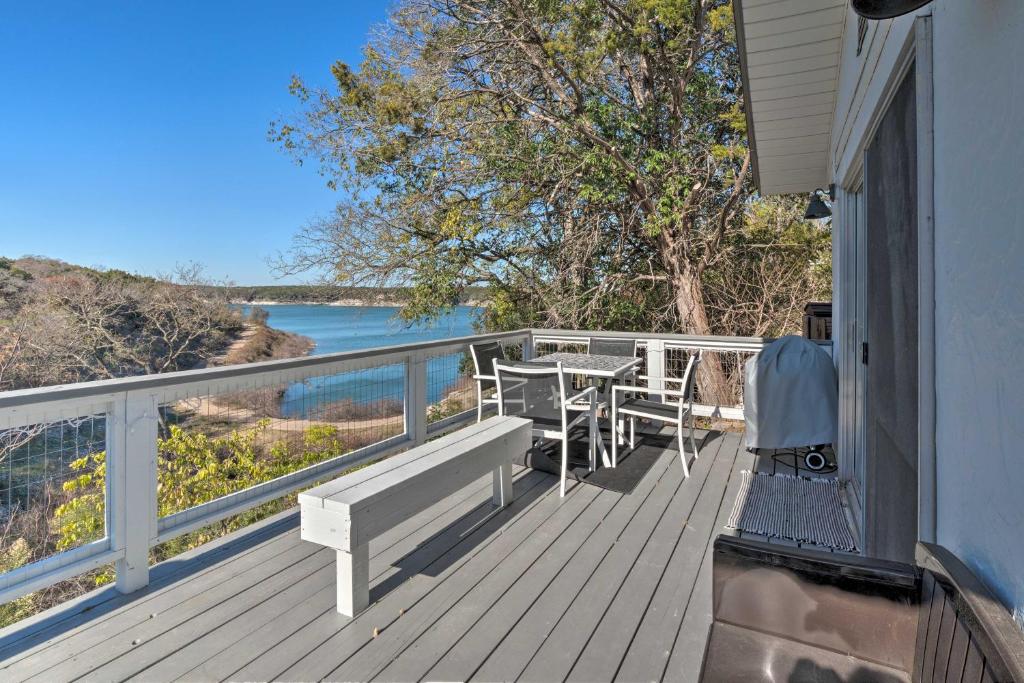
{"points": [[63, 323]]}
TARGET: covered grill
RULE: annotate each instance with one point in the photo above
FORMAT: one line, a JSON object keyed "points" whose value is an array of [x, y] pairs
{"points": [[791, 400]]}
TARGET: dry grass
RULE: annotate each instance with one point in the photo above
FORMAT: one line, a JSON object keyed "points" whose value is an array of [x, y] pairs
{"points": [[266, 343], [348, 410]]}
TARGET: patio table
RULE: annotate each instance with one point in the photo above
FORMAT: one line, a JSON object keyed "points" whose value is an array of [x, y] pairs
{"points": [[594, 367]]}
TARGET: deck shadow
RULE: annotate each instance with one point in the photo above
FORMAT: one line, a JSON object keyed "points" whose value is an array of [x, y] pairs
{"points": [[440, 551]]}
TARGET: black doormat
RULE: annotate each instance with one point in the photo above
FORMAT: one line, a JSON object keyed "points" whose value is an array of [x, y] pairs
{"points": [[630, 470]]}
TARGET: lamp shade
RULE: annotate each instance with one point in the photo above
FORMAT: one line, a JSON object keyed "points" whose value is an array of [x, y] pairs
{"points": [[817, 208]]}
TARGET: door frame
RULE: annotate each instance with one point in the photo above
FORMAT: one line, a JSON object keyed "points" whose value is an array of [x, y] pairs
{"points": [[850, 287], [851, 310], [926, 466]]}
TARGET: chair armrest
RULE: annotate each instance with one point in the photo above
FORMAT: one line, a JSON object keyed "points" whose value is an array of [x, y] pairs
{"points": [[579, 396], [629, 389], [486, 377], [677, 380]]}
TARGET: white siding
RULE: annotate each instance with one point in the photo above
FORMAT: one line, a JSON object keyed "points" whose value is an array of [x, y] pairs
{"points": [[791, 54], [979, 244], [978, 63]]}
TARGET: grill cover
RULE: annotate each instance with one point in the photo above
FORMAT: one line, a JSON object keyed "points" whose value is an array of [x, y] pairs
{"points": [[790, 395]]}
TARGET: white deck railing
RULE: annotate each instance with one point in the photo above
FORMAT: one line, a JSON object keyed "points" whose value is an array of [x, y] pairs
{"points": [[132, 415]]}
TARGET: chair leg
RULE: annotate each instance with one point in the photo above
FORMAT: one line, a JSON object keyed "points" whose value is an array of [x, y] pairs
{"points": [[595, 434], [479, 403], [693, 442], [682, 451], [565, 462], [615, 436], [632, 432]]}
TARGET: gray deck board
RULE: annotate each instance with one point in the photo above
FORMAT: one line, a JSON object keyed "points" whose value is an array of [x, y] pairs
{"points": [[617, 631], [527, 567], [476, 629], [595, 586], [509, 635], [316, 649], [462, 594], [559, 651], [51, 629], [387, 551], [92, 645], [686, 653]]}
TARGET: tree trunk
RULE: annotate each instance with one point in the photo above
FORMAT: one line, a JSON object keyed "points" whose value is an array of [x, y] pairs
{"points": [[713, 383]]}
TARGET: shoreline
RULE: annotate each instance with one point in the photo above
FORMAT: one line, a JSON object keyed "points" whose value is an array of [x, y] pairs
{"points": [[353, 303]]}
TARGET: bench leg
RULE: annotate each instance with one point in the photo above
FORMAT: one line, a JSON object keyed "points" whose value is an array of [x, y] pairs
{"points": [[354, 580], [502, 485]]}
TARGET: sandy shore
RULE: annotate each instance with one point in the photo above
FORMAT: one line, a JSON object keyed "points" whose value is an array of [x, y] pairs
{"points": [[207, 407]]}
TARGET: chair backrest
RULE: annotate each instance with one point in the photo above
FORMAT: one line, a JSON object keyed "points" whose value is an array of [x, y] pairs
{"points": [[533, 390], [602, 346], [484, 354], [690, 376]]}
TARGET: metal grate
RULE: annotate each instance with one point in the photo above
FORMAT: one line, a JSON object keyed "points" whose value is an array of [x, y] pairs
{"points": [[451, 389], [214, 445], [52, 488], [728, 363], [542, 347]]}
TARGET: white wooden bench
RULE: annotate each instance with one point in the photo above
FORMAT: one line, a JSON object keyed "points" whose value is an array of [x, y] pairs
{"points": [[346, 513]]}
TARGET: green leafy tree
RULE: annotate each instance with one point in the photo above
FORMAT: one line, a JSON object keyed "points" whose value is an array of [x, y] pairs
{"points": [[585, 160]]}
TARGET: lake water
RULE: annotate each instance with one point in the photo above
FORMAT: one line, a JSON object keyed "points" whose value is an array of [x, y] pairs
{"points": [[348, 328]]}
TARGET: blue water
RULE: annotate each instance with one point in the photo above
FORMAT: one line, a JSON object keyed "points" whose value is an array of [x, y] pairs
{"points": [[347, 328]]}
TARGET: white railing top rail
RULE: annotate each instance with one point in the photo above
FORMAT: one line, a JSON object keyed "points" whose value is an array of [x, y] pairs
{"points": [[712, 342], [328, 362]]}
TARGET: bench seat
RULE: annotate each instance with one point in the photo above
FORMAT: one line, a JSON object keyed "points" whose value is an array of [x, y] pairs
{"points": [[348, 512]]}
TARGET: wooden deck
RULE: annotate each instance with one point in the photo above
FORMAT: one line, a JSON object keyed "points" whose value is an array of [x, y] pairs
{"points": [[595, 586]]}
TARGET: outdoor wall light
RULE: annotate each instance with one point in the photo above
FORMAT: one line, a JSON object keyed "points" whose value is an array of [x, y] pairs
{"points": [[886, 9], [818, 208]]}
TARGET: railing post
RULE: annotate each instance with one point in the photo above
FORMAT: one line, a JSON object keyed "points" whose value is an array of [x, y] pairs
{"points": [[131, 486], [416, 397], [656, 365]]}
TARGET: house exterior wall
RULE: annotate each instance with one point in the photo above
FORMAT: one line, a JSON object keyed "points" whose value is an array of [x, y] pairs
{"points": [[978, 90], [979, 288]]}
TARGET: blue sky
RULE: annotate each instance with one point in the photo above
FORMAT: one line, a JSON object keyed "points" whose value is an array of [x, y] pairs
{"points": [[133, 134]]}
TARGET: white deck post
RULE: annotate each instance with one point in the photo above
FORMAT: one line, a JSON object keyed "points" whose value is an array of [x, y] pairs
{"points": [[354, 580], [131, 486], [416, 398], [502, 485], [656, 365]]}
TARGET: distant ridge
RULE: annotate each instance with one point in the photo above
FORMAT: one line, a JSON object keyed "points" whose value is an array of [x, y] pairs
{"points": [[338, 296]]}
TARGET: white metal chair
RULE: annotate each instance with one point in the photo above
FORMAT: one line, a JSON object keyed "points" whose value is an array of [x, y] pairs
{"points": [[484, 355], [538, 391], [611, 346], [677, 414]]}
